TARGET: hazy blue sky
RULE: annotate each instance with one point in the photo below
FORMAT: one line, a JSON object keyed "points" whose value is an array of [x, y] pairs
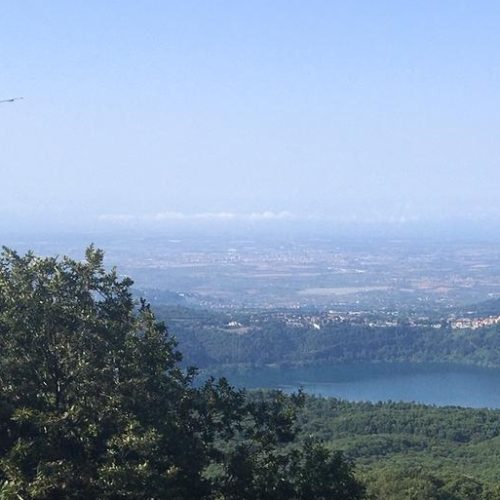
{"points": [[267, 109]]}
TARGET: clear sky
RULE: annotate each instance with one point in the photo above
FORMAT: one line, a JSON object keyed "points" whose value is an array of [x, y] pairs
{"points": [[160, 110]]}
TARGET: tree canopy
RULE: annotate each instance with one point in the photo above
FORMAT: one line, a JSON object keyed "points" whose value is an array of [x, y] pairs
{"points": [[94, 403]]}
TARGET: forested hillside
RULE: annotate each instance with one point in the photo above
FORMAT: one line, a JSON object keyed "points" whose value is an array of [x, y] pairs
{"points": [[207, 341], [404, 450]]}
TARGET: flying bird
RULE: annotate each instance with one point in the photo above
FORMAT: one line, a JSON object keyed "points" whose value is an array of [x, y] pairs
{"points": [[10, 100]]}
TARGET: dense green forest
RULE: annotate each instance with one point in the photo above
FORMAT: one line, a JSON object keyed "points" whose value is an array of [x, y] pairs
{"points": [[95, 403], [405, 450], [206, 341]]}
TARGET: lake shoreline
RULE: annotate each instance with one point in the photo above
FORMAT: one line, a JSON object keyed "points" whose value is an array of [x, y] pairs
{"points": [[439, 384]]}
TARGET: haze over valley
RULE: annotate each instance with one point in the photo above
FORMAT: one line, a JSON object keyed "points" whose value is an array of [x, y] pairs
{"points": [[251, 250]]}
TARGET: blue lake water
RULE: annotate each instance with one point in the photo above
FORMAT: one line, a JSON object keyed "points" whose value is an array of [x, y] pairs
{"points": [[441, 385]]}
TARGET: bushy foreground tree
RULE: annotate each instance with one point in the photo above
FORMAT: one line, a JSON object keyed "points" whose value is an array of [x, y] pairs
{"points": [[94, 404]]}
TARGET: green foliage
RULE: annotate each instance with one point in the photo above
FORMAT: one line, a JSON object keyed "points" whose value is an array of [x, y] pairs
{"points": [[93, 403], [264, 462], [266, 339], [411, 451]]}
